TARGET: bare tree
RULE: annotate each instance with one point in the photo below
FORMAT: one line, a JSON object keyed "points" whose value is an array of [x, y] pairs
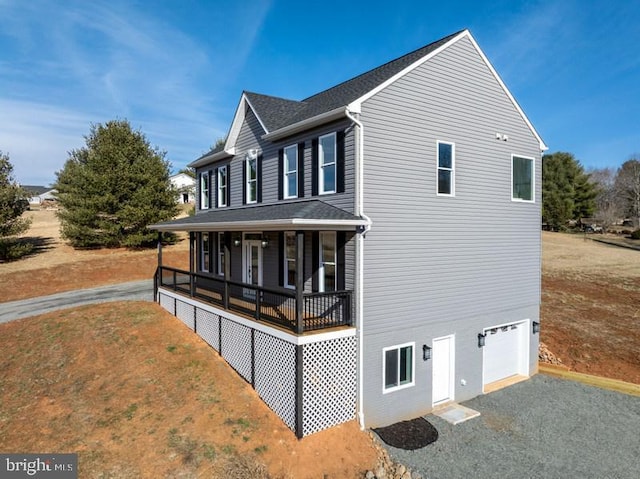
{"points": [[628, 188], [608, 203]]}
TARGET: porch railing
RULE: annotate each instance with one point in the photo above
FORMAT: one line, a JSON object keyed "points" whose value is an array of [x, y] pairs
{"points": [[274, 306]]}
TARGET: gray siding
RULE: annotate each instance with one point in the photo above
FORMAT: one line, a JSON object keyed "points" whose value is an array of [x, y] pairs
{"points": [[437, 265]]}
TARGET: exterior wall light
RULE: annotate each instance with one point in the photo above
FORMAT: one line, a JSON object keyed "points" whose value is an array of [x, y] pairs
{"points": [[481, 340], [536, 327], [237, 242], [264, 242], [426, 352]]}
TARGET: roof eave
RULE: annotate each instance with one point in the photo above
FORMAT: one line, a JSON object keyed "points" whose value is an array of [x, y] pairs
{"points": [[303, 125], [221, 155], [265, 225]]}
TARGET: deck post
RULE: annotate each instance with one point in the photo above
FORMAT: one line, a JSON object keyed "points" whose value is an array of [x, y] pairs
{"points": [[299, 281], [192, 241]]}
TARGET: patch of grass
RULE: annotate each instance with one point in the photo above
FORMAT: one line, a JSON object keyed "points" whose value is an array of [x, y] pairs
{"points": [[130, 411], [260, 449], [172, 348]]}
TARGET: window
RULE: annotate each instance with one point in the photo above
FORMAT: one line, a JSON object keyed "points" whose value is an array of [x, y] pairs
{"points": [[327, 163], [289, 259], [521, 178], [398, 365], [221, 254], [251, 180], [204, 248], [290, 169], [327, 263], [222, 186], [204, 190], [446, 161]]}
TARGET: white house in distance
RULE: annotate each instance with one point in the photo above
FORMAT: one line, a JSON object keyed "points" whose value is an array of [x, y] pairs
{"points": [[186, 186], [39, 194]]}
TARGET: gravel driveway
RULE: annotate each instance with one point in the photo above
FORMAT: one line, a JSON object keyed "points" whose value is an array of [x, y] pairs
{"points": [[541, 428]]}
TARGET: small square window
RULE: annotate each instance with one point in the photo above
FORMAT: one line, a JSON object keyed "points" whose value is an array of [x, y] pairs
{"points": [[398, 365]]}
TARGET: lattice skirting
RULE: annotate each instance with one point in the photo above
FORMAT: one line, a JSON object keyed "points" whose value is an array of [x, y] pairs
{"points": [[309, 382]]}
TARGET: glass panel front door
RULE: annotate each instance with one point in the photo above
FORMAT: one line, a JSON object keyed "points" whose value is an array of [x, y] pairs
{"points": [[252, 265]]}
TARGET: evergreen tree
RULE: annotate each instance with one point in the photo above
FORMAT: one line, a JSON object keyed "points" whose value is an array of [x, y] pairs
{"points": [[13, 202], [567, 192], [113, 188]]}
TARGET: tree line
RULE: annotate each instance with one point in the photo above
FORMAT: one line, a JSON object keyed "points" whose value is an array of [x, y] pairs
{"points": [[605, 195]]}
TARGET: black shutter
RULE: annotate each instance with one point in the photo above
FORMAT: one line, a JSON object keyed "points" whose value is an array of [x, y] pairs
{"points": [[341, 239], [244, 182], [315, 260], [340, 162], [259, 179], [280, 173], [314, 167], [301, 169], [281, 255]]}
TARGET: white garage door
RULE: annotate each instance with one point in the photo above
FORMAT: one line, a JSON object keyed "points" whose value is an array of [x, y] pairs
{"points": [[504, 352]]}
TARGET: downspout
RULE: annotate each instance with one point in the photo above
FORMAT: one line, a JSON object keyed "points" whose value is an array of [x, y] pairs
{"points": [[359, 206]]}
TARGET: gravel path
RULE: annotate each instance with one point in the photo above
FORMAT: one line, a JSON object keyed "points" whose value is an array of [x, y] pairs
{"points": [[541, 428], [136, 291]]}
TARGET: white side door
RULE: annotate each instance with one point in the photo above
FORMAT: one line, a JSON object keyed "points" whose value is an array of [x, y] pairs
{"points": [[251, 265], [443, 356]]}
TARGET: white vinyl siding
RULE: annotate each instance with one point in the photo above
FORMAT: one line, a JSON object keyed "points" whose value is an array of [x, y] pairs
{"points": [[328, 252], [222, 186], [398, 366], [327, 163], [522, 182], [446, 169], [290, 171]]}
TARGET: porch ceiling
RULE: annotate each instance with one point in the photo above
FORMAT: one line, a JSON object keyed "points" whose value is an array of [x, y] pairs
{"points": [[299, 215]]}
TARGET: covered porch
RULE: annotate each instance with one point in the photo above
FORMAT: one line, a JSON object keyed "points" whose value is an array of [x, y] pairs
{"points": [[283, 265]]}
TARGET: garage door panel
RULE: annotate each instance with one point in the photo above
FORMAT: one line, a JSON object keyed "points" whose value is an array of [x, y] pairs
{"points": [[503, 353]]}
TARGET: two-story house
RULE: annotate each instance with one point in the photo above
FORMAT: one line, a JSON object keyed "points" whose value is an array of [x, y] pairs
{"points": [[372, 251]]}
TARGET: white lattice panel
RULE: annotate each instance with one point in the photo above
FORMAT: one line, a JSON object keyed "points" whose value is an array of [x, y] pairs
{"points": [[329, 385], [167, 302], [236, 347], [185, 313], [275, 376], [207, 325]]}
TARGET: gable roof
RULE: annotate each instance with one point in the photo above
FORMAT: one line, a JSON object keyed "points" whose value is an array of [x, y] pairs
{"points": [[36, 190], [280, 117]]}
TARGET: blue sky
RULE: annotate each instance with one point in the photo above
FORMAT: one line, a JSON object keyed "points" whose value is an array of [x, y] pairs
{"points": [[176, 69]]}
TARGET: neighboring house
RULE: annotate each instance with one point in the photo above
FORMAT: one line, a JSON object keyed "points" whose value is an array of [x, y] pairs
{"points": [[372, 251], [186, 186], [40, 194]]}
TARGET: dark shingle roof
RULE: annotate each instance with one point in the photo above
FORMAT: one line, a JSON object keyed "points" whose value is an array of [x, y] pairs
{"points": [[307, 210], [36, 190], [277, 113]]}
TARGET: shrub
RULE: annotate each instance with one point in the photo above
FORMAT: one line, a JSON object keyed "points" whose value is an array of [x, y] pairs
{"points": [[636, 234]]}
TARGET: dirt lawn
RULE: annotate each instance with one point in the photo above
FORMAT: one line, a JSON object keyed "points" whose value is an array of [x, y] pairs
{"points": [[590, 314]]}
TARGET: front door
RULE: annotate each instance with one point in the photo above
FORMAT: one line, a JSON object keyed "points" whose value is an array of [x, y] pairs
{"points": [[443, 364], [252, 265]]}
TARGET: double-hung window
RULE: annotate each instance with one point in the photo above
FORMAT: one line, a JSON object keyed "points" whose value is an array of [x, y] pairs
{"points": [[522, 183], [222, 186], [398, 366], [204, 190], [327, 163], [204, 248], [289, 259], [446, 172], [251, 180], [290, 170], [220, 254], [328, 261]]}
